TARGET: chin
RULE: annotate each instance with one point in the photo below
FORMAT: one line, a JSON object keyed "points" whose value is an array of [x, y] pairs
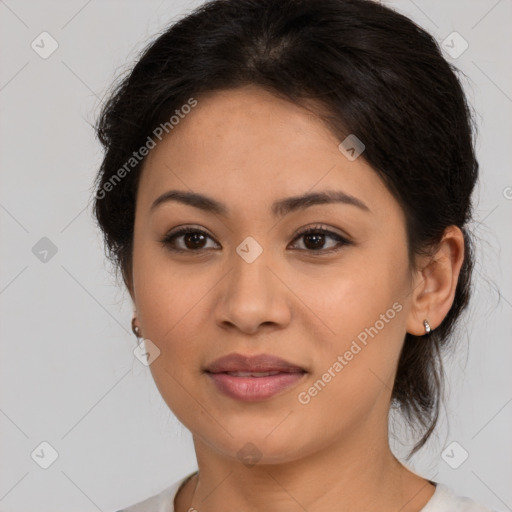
{"points": [[258, 446]]}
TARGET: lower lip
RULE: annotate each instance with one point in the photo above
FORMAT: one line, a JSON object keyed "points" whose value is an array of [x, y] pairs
{"points": [[254, 389]]}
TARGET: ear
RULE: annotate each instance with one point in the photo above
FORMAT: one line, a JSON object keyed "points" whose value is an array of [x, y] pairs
{"points": [[435, 282]]}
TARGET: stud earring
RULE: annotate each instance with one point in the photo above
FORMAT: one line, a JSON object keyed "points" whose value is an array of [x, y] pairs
{"points": [[135, 328], [427, 326]]}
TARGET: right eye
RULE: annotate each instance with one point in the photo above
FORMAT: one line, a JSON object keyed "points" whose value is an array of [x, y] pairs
{"points": [[192, 239]]}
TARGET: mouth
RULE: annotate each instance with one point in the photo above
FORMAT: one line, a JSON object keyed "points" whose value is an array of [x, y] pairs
{"points": [[253, 378]]}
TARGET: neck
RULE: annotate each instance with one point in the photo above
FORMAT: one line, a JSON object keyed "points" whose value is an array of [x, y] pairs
{"points": [[352, 474]]}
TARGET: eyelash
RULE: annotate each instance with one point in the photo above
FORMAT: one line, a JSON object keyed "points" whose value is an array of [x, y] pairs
{"points": [[167, 241]]}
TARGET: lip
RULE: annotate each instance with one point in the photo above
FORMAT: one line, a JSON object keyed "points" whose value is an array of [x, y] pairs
{"points": [[251, 388], [254, 389], [257, 363]]}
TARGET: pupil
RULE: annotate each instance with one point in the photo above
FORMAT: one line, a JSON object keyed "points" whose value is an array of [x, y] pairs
{"points": [[194, 237], [318, 243]]}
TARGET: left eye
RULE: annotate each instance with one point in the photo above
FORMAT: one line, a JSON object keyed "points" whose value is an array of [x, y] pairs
{"points": [[317, 236], [193, 240]]}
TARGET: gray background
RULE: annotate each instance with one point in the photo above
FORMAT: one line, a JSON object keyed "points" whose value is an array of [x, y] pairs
{"points": [[68, 374]]}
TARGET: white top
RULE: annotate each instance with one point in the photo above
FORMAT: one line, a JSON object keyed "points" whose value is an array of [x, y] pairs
{"points": [[443, 500]]}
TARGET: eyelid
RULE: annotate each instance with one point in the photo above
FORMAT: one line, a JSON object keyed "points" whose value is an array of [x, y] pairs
{"points": [[321, 228]]}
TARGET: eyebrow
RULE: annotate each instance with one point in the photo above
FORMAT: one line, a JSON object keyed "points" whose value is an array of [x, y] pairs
{"points": [[279, 208]]}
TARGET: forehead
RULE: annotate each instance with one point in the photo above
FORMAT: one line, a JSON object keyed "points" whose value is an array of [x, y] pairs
{"points": [[249, 145]]}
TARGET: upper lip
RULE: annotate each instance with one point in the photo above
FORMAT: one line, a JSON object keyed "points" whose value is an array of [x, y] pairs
{"points": [[256, 363]]}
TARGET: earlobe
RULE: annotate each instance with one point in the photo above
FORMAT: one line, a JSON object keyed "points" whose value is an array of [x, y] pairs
{"points": [[435, 284], [135, 327]]}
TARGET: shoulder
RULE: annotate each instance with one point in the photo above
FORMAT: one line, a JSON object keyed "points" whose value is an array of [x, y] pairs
{"points": [[161, 502], [445, 500]]}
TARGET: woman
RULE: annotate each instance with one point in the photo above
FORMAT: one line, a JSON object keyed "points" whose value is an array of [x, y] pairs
{"points": [[286, 190]]}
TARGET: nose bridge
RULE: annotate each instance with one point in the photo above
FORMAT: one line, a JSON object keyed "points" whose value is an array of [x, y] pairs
{"points": [[250, 276], [252, 294]]}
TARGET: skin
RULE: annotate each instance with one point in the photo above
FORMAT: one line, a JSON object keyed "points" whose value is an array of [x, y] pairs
{"points": [[247, 149]]}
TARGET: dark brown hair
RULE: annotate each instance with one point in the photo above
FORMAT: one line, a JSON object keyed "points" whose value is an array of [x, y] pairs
{"points": [[372, 72]]}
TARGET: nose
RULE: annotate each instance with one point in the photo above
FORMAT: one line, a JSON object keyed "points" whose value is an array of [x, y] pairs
{"points": [[252, 295]]}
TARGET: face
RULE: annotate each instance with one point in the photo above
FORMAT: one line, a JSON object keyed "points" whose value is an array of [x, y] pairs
{"points": [[245, 279]]}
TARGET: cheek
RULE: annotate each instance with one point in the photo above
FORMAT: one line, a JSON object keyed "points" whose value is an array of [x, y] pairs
{"points": [[355, 365], [353, 297], [171, 302], [172, 305], [363, 306], [171, 309]]}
